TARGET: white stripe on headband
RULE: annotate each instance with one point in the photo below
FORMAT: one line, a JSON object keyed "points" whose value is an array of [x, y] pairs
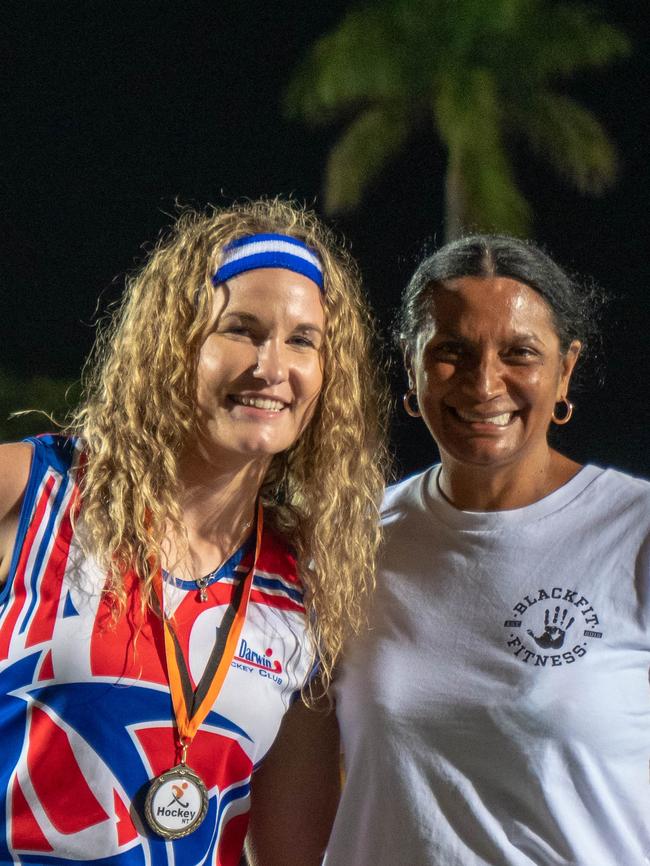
{"points": [[269, 251]]}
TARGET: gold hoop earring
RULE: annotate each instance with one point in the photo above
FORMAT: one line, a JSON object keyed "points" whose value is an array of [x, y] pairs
{"points": [[567, 416], [406, 400]]}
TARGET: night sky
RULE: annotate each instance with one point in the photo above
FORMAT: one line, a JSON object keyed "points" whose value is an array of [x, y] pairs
{"points": [[114, 110]]}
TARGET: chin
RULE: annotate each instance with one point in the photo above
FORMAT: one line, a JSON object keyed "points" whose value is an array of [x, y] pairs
{"points": [[263, 449], [241, 452], [484, 457]]}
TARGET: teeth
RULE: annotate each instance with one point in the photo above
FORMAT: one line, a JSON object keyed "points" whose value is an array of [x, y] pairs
{"points": [[260, 403], [497, 420]]}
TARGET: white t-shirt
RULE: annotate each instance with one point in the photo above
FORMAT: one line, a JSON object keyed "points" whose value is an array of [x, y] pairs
{"points": [[498, 710]]}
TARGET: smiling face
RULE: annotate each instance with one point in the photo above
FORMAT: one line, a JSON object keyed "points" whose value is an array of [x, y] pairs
{"points": [[488, 371], [260, 365]]}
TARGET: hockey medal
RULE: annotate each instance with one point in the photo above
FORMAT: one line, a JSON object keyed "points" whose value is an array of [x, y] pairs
{"points": [[177, 802]]}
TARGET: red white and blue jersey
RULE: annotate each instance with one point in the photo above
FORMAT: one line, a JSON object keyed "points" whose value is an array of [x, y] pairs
{"points": [[85, 709]]}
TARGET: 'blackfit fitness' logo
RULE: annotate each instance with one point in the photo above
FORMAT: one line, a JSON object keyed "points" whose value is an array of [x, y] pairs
{"points": [[553, 627]]}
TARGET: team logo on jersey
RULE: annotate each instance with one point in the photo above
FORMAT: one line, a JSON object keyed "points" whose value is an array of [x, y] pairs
{"points": [[251, 660], [552, 627]]}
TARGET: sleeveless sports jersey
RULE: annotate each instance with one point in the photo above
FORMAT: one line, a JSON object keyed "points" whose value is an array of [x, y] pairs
{"points": [[85, 708]]}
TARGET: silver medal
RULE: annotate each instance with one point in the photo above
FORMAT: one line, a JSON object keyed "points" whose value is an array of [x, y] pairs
{"points": [[177, 802]]}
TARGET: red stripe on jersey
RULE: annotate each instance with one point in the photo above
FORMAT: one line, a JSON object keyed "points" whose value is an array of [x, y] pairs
{"points": [[281, 602], [57, 778], [26, 835], [219, 760], [232, 841], [18, 585], [159, 745], [126, 831], [51, 580], [130, 647], [274, 558], [47, 668]]}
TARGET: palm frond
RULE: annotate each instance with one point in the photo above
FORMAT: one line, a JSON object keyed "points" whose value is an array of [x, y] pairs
{"points": [[353, 65], [562, 38], [572, 140], [361, 153]]}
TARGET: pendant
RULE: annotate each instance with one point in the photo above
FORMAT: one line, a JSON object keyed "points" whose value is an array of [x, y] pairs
{"points": [[176, 803], [202, 584]]}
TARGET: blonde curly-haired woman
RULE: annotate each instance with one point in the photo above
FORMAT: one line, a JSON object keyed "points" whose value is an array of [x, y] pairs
{"points": [[174, 566]]}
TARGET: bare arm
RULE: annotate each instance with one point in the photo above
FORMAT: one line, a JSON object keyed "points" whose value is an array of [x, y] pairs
{"points": [[295, 792], [15, 460]]}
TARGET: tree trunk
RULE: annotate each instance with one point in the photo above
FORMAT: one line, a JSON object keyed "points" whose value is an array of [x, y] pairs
{"points": [[455, 199]]}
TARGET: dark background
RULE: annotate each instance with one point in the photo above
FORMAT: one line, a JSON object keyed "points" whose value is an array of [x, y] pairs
{"points": [[113, 110]]}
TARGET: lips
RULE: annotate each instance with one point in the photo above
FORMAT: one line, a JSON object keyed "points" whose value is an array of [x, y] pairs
{"points": [[501, 420], [269, 404]]}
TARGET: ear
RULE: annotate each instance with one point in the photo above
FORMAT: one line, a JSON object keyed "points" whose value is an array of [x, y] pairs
{"points": [[408, 363], [569, 360]]}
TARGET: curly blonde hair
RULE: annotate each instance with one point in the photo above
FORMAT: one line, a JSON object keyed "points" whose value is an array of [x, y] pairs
{"points": [[139, 411]]}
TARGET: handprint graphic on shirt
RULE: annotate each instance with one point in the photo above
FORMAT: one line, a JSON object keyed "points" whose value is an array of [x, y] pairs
{"points": [[554, 629]]}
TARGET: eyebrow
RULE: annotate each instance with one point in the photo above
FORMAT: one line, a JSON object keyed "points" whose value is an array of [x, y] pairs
{"points": [[235, 314], [523, 336], [307, 326], [527, 336], [252, 319]]}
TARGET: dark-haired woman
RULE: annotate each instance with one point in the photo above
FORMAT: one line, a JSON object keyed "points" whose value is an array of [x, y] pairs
{"points": [[497, 713]]}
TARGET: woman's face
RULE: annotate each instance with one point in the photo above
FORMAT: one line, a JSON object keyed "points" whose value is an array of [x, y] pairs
{"points": [[488, 370], [260, 365]]}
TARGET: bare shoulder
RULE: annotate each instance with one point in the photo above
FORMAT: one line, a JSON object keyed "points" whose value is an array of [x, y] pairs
{"points": [[15, 462]]}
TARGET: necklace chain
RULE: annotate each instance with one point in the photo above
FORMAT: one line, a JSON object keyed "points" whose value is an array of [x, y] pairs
{"points": [[202, 582]]}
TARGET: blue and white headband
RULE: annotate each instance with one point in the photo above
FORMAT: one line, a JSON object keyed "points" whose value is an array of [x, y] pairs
{"points": [[269, 251]]}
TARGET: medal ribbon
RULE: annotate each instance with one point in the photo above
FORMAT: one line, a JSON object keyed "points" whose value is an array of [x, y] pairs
{"points": [[191, 707]]}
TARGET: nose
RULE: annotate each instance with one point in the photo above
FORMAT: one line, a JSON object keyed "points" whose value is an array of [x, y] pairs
{"points": [[271, 363], [484, 377]]}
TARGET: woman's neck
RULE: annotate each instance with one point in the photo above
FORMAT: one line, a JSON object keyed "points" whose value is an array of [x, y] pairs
{"points": [[217, 506], [472, 487]]}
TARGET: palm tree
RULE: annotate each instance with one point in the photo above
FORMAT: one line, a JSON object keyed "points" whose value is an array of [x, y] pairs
{"points": [[486, 72]]}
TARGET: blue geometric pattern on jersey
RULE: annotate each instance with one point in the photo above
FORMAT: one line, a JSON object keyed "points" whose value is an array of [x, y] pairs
{"points": [[133, 857], [12, 721], [68, 608], [138, 703]]}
